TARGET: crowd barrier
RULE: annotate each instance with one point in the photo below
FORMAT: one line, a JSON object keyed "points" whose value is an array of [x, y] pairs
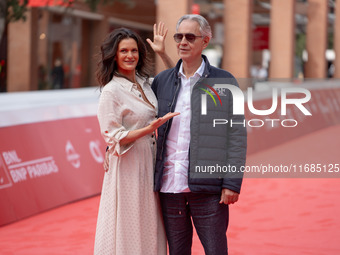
{"points": [[51, 150]]}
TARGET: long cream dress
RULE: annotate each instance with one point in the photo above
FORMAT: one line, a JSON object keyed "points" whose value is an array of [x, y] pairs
{"points": [[129, 219]]}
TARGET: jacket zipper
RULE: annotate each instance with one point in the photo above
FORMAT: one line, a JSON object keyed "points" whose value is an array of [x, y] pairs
{"points": [[198, 82]]}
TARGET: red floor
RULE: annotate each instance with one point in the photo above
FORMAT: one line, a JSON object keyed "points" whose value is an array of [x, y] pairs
{"points": [[274, 216]]}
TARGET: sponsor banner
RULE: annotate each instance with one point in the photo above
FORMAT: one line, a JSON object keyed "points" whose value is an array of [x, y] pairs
{"points": [[47, 164], [51, 150]]}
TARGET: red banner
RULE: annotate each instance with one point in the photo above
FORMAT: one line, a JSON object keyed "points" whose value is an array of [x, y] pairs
{"points": [[47, 164], [44, 164], [261, 38], [42, 3]]}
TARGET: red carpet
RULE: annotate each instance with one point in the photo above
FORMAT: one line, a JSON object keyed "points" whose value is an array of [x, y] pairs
{"points": [[274, 216]]}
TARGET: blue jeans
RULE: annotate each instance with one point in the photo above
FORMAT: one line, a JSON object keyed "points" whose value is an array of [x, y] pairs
{"points": [[209, 217]]}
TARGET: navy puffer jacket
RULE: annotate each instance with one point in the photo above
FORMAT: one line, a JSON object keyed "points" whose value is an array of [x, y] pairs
{"points": [[211, 148]]}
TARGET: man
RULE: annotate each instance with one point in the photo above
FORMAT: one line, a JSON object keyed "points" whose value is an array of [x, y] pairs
{"points": [[189, 141]]}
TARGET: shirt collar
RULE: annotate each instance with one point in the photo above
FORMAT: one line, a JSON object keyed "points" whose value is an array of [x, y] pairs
{"points": [[199, 71], [128, 84]]}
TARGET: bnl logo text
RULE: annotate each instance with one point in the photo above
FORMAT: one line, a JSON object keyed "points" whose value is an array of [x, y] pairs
{"points": [[238, 103]]}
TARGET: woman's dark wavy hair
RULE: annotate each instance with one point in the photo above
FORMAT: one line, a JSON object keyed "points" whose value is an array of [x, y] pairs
{"points": [[107, 65]]}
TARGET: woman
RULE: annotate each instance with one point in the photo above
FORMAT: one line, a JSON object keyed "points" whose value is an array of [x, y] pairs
{"points": [[129, 219]]}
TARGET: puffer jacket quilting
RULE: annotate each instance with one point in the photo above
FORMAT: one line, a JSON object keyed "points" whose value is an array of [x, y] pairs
{"points": [[209, 146]]}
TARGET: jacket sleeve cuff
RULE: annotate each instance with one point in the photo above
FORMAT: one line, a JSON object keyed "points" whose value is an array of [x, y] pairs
{"points": [[232, 184]]}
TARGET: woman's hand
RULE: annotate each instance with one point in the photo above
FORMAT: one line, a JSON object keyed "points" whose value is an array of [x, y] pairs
{"points": [[133, 135], [160, 121], [106, 161]]}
